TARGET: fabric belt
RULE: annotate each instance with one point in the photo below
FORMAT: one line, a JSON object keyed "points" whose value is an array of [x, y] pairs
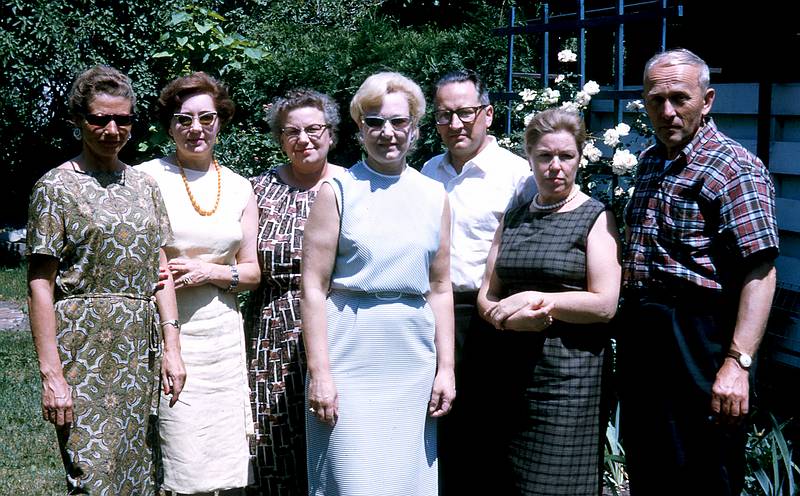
{"points": [[465, 297], [155, 334]]}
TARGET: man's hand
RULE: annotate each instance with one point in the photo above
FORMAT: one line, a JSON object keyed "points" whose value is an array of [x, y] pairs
{"points": [[730, 394]]}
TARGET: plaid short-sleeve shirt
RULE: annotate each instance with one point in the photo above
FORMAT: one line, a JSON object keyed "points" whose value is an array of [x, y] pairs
{"points": [[701, 217]]}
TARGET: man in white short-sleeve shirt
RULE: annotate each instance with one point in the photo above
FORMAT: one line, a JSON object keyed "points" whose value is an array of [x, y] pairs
{"points": [[480, 178]]}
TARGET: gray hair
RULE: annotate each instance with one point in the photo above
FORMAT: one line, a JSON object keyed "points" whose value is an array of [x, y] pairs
{"points": [[302, 98], [680, 56]]}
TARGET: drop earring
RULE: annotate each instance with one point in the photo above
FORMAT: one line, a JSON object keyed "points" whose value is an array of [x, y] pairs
{"points": [[76, 133]]}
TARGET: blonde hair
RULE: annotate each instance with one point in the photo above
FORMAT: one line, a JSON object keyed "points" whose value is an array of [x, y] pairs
{"points": [[371, 92]]}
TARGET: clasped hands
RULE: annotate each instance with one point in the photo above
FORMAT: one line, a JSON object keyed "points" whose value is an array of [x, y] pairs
{"points": [[524, 311]]}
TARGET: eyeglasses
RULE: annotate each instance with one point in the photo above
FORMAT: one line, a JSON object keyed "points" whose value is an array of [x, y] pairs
{"points": [[465, 114], [398, 122], [186, 120], [314, 131], [103, 120]]}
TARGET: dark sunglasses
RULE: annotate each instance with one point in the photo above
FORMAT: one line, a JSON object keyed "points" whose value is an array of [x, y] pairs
{"points": [[377, 122], [205, 119], [103, 120]]}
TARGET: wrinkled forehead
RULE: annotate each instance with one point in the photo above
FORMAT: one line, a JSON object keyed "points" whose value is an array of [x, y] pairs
{"points": [[672, 76]]}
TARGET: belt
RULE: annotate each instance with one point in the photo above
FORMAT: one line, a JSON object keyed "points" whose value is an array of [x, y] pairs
{"points": [[465, 297], [675, 295]]}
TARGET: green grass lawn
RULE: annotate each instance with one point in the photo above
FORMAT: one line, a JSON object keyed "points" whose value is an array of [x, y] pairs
{"points": [[29, 460], [13, 283]]}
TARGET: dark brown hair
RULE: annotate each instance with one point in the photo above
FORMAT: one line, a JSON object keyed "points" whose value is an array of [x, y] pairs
{"points": [[199, 83], [100, 79]]}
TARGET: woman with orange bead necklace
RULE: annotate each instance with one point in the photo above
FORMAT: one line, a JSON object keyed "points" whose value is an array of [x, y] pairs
{"points": [[204, 438]]}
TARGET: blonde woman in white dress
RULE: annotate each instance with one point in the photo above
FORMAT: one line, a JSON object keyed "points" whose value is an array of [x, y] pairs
{"points": [[204, 438]]}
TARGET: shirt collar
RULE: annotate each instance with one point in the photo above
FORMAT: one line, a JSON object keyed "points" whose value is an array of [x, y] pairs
{"points": [[705, 133], [482, 160]]}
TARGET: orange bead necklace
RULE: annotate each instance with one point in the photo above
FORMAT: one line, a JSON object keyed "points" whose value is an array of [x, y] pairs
{"points": [[198, 208]]}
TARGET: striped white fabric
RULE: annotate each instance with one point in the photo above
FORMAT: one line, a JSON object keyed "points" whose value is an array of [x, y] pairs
{"points": [[381, 344]]}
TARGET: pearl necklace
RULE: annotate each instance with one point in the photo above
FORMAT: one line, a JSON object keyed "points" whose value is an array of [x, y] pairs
{"points": [[558, 204], [198, 208]]}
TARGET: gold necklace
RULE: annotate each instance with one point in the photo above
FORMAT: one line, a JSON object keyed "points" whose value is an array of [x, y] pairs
{"points": [[198, 208]]}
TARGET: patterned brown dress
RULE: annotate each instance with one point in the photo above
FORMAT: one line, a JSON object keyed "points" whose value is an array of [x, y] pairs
{"points": [[276, 356], [106, 230]]}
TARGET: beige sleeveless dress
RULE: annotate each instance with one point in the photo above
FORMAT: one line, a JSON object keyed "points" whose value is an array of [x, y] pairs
{"points": [[205, 436]]}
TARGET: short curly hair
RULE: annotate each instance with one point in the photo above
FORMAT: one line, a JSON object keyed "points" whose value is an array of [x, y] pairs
{"points": [[179, 90], [100, 79], [554, 120], [302, 98]]}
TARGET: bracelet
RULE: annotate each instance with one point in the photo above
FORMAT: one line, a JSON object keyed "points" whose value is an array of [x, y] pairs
{"points": [[234, 279], [174, 323]]}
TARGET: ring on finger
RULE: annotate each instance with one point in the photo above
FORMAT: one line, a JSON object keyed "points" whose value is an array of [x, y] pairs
{"points": [[312, 410], [187, 279]]}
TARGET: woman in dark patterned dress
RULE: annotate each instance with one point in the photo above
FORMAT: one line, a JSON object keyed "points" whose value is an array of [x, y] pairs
{"points": [[304, 122], [95, 231], [552, 278]]}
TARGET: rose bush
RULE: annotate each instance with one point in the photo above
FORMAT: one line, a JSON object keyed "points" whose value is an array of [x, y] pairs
{"points": [[610, 156]]}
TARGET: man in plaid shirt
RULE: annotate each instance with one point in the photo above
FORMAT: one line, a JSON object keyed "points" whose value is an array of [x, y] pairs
{"points": [[699, 276]]}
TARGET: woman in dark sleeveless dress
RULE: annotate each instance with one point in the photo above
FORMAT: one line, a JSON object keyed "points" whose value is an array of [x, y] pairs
{"points": [[552, 282]]}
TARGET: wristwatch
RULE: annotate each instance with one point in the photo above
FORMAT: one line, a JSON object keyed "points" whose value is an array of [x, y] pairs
{"points": [[743, 359]]}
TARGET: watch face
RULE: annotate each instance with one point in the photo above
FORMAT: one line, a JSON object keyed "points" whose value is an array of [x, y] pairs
{"points": [[745, 360]]}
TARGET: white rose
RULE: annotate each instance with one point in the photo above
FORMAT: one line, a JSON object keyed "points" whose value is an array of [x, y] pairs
{"points": [[611, 137], [559, 78], [527, 95], [550, 96], [623, 161], [570, 107], [591, 88], [617, 191], [567, 55], [591, 152], [519, 107], [622, 129], [634, 105], [582, 98]]}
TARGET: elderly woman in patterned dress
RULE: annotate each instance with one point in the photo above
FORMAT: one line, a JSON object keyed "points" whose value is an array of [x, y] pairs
{"points": [[95, 232], [304, 122]]}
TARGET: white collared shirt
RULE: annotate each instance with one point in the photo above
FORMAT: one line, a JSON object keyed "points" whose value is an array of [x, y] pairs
{"points": [[478, 198]]}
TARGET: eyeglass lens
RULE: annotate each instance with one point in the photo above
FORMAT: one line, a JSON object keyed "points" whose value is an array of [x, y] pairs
{"points": [[465, 114], [103, 120], [377, 122], [312, 131], [205, 119]]}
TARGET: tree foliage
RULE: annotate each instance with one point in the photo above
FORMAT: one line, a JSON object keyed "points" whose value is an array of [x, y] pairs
{"points": [[260, 48]]}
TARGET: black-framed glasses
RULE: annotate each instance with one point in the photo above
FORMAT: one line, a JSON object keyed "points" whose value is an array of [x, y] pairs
{"points": [[314, 131], [465, 114], [398, 122], [102, 120], [186, 120]]}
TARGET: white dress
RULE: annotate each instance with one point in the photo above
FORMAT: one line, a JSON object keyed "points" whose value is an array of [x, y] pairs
{"points": [[204, 437]]}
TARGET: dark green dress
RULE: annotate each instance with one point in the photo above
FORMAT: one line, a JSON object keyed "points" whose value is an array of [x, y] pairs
{"points": [[105, 229]]}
